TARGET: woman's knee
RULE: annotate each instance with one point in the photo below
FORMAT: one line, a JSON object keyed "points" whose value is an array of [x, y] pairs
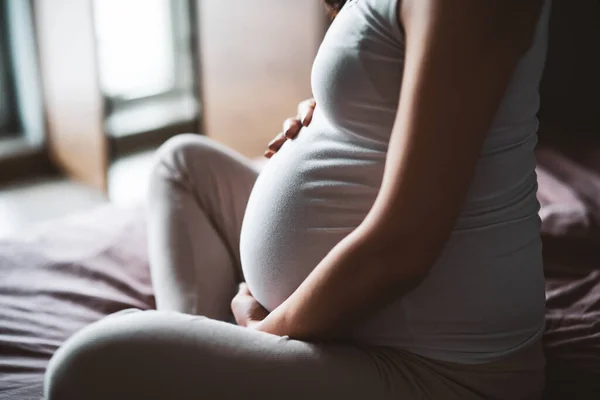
{"points": [[74, 370], [131, 355], [185, 154]]}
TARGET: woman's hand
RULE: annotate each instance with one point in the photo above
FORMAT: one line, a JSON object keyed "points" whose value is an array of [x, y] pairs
{"points": [[292, 126], [459, 62], [247, 311]]}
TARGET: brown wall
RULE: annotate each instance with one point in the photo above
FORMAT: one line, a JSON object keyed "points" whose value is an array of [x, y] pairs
{"points": [[72, 97], [256, 59]]}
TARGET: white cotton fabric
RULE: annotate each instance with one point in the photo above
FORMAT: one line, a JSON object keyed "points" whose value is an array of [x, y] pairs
{"points": [[484, 297]]}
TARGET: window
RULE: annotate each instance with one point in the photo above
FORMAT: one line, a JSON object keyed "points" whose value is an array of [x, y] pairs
{"points": [[8, 116], [145, 63], [21, 110], [22, 122]]}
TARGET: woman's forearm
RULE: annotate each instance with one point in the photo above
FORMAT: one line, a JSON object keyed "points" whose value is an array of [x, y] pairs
{"points": [[459, 62], [353, 281]]}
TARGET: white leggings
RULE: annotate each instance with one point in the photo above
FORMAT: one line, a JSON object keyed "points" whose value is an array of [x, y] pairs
{"points": [[198, 195]]}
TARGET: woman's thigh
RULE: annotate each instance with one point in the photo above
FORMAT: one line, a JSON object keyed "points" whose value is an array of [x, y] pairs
{"points": [[137, 355], [158, 355], [197, 199]]}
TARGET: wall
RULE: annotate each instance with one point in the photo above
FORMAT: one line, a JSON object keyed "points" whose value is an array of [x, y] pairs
{"points": [[571, 86], [256, 57]]}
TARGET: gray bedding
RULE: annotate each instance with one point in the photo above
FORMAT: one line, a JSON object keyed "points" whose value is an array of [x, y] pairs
{"points": [[58, 279]]}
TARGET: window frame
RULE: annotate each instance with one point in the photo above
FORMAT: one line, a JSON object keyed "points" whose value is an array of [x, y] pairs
{"points": [[9, 119], [36, 29], [23, 142], [132, 124]]}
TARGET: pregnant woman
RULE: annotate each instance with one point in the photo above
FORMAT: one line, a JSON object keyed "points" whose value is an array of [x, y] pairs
{"points": [[390, 250]]}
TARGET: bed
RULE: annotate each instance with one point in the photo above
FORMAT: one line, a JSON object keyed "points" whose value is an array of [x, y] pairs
{"points": [[69, 273], [58, 279], [569, 192]]}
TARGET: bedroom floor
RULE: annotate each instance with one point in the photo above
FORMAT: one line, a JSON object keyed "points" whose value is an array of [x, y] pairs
{"points": [[25, 204]]}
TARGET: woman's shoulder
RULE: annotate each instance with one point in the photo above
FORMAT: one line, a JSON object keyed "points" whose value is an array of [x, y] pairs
{"points": [[379, 15]]}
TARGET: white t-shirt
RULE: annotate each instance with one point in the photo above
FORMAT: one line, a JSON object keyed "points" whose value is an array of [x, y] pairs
{"points": [[484, 297]]}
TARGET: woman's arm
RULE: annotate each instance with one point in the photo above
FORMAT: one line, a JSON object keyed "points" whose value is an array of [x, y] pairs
{"points": [[460, 57]]}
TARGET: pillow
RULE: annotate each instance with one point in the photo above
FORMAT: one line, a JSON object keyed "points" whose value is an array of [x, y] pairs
{"points": [[581, 176], [562, 212]]}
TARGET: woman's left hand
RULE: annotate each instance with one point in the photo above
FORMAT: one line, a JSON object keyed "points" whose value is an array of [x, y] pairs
{"points": [[247, 311]]}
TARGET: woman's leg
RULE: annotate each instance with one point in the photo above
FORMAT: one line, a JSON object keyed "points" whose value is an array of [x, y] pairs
{"points": [[164, 355], [198, 195], [136, 355]]}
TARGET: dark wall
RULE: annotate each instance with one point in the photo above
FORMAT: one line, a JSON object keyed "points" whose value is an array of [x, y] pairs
{"points": [[571, 86]]}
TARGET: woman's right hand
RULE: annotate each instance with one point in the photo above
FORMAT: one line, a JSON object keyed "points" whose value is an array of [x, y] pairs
{"points": [[292, 126]]}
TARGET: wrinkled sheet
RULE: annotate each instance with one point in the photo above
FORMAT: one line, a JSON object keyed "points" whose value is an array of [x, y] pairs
{"points": [[572, 266], [572, 338], [60, 278]]}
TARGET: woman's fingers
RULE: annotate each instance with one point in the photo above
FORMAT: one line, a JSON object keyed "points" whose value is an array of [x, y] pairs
{"points": [[277, 142], [305, 111], [275, 145], [243, 289], [306, 106], [291, 127], [269, 154]]}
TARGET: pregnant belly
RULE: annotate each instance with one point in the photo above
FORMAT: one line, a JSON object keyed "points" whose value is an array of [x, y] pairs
{"points": [[313, 193]]}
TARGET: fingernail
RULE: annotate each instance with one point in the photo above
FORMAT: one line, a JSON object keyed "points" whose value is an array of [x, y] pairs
{"points": [[305, 119], [269, 154], [292, 127], [287, 132], [276, 143]]}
